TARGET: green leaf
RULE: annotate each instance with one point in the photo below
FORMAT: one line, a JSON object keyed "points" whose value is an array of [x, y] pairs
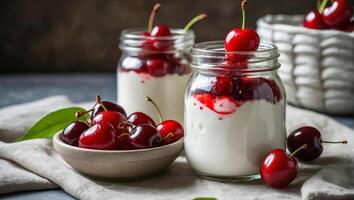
{"points": [[205, 198], [52, 123]]}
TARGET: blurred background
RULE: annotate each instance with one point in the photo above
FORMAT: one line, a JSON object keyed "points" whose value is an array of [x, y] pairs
{"points": [[47, 36]]}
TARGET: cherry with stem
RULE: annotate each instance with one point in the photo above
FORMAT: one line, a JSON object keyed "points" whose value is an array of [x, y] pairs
{"points": [[310, 136], [241, 39], [155, 9], [193, 21], [170, 130]]}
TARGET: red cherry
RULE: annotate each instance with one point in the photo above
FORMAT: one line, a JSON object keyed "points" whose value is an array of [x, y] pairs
{"points": [[144, 136], [109, 106], [116, 119], [157, 67], [314, 20], [139, 118], [312, 138], [159, 44], [241, 39], [338, 14], [278, 169], [160, 30], [170, 131], [222, 85], [72, 132], [99, 136]]}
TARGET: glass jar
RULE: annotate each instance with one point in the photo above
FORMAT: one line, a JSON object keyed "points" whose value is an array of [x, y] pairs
{"points": [[234, 112], [154, 67]]}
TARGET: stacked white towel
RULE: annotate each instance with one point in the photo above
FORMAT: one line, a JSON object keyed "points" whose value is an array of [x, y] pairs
{"points": [[317, 65]]}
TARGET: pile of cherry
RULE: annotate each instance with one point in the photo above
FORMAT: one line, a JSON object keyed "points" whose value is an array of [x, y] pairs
{"points": [[278, 169], [157, 58], [336, 16], [111, 129]]}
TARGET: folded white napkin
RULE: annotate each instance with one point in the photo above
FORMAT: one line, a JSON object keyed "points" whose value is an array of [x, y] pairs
{"points": [[40, 167]]}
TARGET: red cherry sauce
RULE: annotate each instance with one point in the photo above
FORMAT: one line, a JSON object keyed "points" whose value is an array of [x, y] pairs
{"points": [[243, 89]]}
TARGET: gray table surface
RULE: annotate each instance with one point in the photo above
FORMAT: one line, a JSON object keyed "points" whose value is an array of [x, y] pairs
{"points": [[15, 89]]}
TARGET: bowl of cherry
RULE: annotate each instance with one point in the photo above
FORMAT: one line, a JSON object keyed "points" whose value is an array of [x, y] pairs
{"points": [[111, 145]]}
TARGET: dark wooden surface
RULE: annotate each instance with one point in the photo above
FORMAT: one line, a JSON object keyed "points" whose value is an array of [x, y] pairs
{"points": [[16, 89], [83, 35]]}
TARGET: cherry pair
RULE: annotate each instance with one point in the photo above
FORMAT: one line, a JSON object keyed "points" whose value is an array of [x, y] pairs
{"points": [[336, 16], [305, 144]]}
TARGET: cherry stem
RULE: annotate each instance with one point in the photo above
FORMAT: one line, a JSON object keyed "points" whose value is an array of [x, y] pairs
{"points": [[299, 149], [166, 137], [154, 10], [338, 142], [127, 123], [318, 5], [243, 8], [98, 99], [79, 115], [156, 106], [322, 6], [194, 20]]}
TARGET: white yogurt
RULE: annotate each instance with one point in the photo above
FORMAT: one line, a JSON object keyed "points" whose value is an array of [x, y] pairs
{"points": [[166, 91], [233, 144]]}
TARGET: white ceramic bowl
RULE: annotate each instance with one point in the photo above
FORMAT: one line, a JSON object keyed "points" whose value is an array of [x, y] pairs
{"points": [[122, 165], [317, 65]]}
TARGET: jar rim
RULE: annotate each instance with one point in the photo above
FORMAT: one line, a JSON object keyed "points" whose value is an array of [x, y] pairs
{"points": [[136, 33], [132, 39], [202, 47], [213, 56]]}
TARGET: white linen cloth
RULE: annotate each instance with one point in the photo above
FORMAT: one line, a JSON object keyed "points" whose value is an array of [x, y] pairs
{"points": [[33, 165]]}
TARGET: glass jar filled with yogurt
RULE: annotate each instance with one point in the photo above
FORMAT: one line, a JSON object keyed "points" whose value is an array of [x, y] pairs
{"points": [[234, 112], [158, 67]]}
